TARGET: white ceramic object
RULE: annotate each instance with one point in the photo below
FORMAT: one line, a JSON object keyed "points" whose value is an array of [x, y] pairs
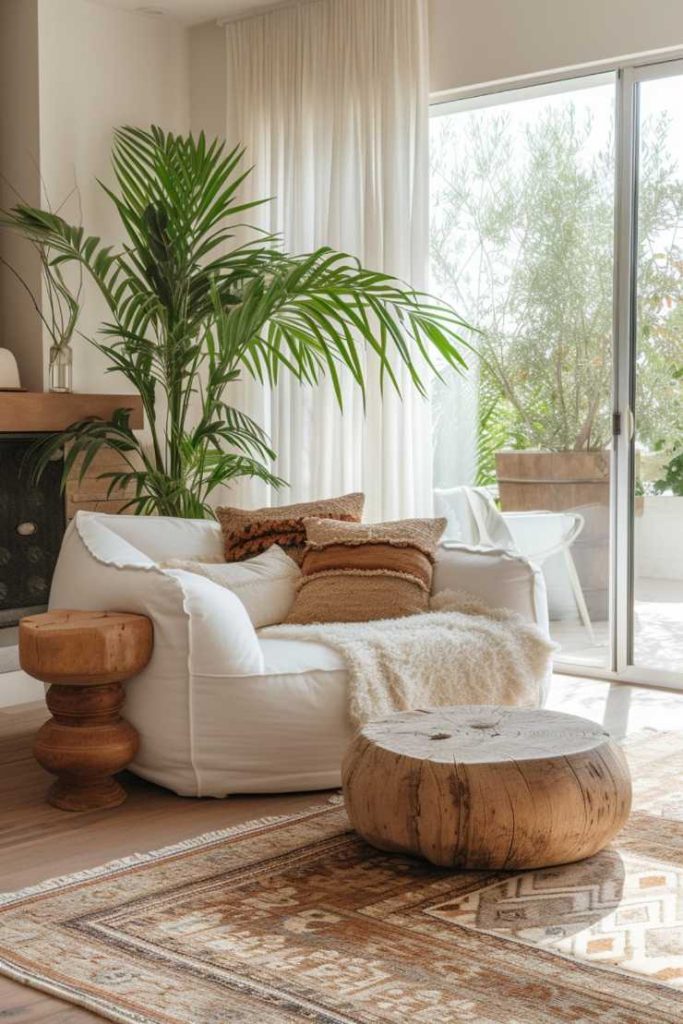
{"points": [[9, 371]]}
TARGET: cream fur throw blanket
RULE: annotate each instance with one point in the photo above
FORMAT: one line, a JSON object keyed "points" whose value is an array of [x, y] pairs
{"points": [[461, 652]]}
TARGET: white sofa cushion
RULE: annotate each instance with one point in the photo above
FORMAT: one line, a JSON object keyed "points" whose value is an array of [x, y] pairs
{"points": [[283, 730], [221, 709], [498, 578], [198, 627], [164, 537], [266, 584]]}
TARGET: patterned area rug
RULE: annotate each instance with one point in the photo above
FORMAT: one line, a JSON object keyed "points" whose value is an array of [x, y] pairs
{"points": [[297, 920]]}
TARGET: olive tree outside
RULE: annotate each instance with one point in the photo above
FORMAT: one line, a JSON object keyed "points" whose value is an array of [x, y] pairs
{"points": [[522, 243]]}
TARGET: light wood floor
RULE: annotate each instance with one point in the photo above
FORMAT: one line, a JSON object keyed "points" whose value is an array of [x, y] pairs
{"points": [[38, 841]]}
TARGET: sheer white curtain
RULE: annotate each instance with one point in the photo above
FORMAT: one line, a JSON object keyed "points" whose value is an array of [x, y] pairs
{"points": [[330, 98]]}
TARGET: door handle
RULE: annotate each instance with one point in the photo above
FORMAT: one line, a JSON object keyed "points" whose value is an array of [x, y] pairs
{"points": [[630, 424], [626, 424]]}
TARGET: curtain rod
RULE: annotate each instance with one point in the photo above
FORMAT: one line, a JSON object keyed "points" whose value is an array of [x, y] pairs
{"points": [[230, 19]]}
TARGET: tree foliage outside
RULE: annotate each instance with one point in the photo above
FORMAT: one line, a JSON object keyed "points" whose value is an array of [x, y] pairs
{"points": [[522, 241]]}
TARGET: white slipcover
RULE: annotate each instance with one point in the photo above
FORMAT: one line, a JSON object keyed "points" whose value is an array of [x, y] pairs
{"points": [[220, 710]]}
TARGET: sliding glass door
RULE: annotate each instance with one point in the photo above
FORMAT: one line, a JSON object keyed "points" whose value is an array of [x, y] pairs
{"points": [[522, 244], [649, 519], [557, 231]]}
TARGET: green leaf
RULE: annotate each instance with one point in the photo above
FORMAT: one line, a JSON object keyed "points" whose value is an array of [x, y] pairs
{"points": [[190, 311]]}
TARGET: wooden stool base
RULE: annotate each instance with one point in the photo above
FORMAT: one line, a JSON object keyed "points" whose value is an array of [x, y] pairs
{"points": [[96, 794], [84, 744], [85, 656]]}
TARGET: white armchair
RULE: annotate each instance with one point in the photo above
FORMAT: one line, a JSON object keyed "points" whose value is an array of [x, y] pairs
{"points": [[221, 709], [472, 517]]}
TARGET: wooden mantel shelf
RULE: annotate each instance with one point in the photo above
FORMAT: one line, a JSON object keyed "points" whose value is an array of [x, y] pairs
{"points": [[38, 411]]}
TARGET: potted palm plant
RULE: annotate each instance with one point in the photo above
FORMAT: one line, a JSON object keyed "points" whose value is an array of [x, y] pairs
{"points": [[191, 310]]}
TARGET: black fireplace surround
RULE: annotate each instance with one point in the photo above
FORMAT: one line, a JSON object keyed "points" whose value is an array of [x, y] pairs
{"points": [[32, 523]]}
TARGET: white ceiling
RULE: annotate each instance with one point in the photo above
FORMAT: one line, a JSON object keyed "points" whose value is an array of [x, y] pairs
{"points": [[191, 12]]}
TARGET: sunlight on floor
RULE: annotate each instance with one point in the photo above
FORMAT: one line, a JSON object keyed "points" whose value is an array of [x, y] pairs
{"points": [[623, 710], [658, 630]]}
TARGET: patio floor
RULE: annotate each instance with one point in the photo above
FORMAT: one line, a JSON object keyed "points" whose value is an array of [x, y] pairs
{"points": [[624, 710], [658, 630]]}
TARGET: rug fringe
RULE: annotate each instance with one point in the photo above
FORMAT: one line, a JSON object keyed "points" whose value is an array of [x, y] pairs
{"points": [[86, 1002], [134, 859]]}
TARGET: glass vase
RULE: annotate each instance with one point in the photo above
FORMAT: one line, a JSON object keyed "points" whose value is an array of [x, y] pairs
{"points": [[60, 368]]}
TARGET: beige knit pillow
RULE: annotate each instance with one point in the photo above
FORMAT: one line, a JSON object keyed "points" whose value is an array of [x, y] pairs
{"points": [[248, 532], [357, 573]]}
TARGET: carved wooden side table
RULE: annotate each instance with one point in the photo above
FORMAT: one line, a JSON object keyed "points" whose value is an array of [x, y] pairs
{"points": [[85, 656]]}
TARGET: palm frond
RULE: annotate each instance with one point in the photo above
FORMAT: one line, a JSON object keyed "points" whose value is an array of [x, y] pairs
{"points": [[190, 311]]}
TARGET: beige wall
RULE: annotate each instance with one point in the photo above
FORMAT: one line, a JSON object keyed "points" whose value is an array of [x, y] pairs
{"points": [[100, 68], [19, 173], [70, 72], [208, 79], [474, 43], [208, 82]]}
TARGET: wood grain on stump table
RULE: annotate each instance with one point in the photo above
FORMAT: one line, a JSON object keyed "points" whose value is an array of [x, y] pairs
{"points": [[486, 787], [85, 656]]}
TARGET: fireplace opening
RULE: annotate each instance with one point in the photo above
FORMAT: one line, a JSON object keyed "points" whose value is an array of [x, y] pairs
{"points": [[32, 524]]}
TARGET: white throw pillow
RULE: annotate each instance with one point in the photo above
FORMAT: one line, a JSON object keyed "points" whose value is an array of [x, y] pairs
{"points": [[266, 584]]}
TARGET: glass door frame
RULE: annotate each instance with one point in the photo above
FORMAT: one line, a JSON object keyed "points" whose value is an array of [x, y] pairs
{"points": [[622, 591], [629, 74]]}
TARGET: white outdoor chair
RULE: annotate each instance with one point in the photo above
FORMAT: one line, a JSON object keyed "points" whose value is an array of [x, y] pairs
{"points": [[473, 518]]}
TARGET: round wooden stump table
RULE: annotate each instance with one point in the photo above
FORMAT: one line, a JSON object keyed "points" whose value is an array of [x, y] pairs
{"points": [[85, 656], [486, 787]]}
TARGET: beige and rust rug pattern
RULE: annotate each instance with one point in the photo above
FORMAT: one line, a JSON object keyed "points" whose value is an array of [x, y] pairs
{"points": [[297, 920]]}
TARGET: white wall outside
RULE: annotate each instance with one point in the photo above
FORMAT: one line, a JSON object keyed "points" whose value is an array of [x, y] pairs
{"points": [[658, 541]]}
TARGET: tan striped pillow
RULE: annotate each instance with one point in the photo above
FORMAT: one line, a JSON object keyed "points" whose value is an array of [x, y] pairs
{"points": [[357, 573], [248, 532]]}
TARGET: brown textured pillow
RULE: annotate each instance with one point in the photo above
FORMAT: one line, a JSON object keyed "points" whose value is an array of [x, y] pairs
{"points": [[357, 573], [248, 532]]}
